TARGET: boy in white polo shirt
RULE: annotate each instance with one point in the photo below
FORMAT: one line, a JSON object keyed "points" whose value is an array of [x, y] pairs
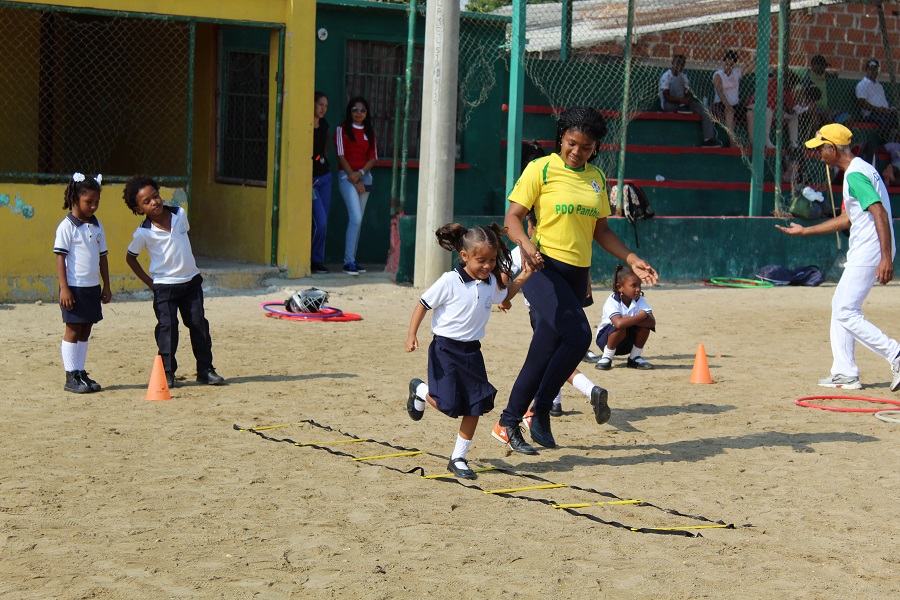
{"points": [[174, 277]]}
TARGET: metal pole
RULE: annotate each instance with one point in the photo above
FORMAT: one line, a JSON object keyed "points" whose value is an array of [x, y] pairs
{"points": [[407, 98], [623, 127], [396, 148], [189, 146], [565, 42], [888, 59], [779, 100], [276, 167], [516, 93], [759, 135]]}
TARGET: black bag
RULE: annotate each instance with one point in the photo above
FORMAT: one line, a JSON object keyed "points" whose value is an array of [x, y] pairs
{"points": [[635, 206]]}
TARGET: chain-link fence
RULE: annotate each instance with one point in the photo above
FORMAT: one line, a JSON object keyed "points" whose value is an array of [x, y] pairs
{"points": [[684, 74], [93, 93]]}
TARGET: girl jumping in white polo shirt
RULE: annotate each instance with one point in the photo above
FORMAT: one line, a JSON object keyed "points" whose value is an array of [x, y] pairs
{"points": [[80, 248], [461, 300]]}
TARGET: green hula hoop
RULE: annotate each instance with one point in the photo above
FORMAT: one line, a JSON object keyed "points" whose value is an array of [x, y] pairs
{"points": [[737, 282]]}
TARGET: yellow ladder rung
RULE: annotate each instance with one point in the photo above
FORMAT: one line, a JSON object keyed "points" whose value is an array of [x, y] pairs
{"points": [[265, 427], [683, 528], [452, 475], [331, 442], [389, 455], [522, 489], [609, 503]]}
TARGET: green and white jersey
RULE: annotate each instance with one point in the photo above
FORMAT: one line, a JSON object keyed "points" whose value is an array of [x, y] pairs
{"points": [[863, 187]]}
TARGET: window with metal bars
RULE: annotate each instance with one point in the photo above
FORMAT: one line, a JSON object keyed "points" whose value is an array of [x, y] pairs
{"points": [[372, 71], [242, 141]]}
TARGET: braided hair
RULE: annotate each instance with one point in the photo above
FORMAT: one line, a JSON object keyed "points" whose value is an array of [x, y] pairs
{"points": [[454, 236], [583, 119], [76, 188], [625, 273]]}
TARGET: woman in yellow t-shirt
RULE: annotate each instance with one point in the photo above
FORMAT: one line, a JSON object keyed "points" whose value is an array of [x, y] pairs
{"points": [[569, 196]]}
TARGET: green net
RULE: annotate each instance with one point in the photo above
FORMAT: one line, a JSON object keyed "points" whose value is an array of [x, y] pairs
{"points": [[79, 92]]}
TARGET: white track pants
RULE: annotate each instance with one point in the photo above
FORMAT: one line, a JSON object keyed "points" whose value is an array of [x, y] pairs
{"points": [[848, 325]]}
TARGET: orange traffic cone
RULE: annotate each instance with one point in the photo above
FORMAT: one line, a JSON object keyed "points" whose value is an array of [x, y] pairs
{"points": [[158, 388], [700, 374]]}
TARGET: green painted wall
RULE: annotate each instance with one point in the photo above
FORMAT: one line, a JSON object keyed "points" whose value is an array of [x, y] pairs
{"points": [[684, 249]]}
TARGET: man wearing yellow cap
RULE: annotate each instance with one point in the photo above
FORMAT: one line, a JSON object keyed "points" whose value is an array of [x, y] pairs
{"points": [[866, 210]]}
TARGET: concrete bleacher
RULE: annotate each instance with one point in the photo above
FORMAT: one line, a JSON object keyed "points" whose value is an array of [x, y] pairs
{"points": [[696, 181]]}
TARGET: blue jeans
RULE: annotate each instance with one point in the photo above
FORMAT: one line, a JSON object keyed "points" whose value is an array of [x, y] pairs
{"points": [[320, 207], [356, 206]]}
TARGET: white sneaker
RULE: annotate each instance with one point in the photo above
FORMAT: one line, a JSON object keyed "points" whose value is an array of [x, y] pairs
{"points": [[844, 382], [895, 371]]}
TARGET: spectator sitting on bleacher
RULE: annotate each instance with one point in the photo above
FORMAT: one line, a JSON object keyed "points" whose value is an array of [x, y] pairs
{"points": [[873, 102], [791, 110], [675, 96], [727, 101], [820, 114]]}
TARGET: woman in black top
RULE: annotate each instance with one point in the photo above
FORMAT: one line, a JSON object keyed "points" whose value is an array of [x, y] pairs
{"points": [[321, 175]]}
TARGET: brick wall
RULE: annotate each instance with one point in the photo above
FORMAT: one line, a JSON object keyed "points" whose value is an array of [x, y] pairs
{"points": [[847, 35]]}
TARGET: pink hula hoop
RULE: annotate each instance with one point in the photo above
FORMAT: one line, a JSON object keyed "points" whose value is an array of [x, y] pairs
{"points": [[804, 401]]}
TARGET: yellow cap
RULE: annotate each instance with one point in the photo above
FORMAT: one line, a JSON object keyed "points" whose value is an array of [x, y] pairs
{"points": [[833, 133]]}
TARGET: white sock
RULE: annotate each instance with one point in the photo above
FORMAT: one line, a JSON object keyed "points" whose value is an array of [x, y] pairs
{"points": [[421, 394], [82, 355], [583, 384], [609, 353], [558, 399], [69, 355], [461, 449], [635, 353]]}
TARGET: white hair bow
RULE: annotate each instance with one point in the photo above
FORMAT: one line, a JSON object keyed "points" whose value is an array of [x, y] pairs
{"points": [[99, 179], [78, 177]]}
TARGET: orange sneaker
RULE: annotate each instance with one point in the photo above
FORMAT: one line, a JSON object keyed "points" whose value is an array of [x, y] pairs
{"points": [[512, 437]]}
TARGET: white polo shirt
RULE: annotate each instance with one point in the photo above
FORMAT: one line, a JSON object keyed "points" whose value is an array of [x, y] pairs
{"points": [[82, 243], [614, 306], [873, 93], [171, 257], [461, 304]]}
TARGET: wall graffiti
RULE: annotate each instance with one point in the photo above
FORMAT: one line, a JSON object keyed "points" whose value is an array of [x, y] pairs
{"points": [[18, 207]]}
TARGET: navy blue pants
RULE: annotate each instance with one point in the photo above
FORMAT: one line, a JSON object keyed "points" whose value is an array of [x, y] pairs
{"points": [[562, 335], [186, 298]]}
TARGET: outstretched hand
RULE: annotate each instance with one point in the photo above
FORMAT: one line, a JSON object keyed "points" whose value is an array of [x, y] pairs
{"points": [[644, 271], [793, 229]]}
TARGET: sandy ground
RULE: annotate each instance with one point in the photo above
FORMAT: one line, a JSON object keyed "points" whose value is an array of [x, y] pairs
{"points": [[110, 496]]}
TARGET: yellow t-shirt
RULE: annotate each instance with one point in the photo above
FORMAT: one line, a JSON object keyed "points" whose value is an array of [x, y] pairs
{"points": [[567, 203]]}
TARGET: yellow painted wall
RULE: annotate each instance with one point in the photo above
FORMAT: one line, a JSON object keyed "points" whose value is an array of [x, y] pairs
{"points": [[227, 221]]}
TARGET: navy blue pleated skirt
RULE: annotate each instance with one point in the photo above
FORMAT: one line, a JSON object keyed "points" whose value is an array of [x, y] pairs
{"points": [[457, 378], [87, 307]]}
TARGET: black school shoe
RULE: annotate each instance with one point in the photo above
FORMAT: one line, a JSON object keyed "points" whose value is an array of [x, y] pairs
{"points": [[638, 363], [95, 387], [556, 409], [210, 378], [319, 269], [462, 473], [414, 413], [170, 379], [600, 403], [540, 430], [74, 383]]}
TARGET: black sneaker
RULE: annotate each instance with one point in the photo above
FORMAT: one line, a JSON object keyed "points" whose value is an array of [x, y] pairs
{"points": [[170, 379], [556, 409], [638, 363], [512, 437], [599, 400], [95, 387], [462, 473], [74, 383], [351, 269], [319, 269], [540, 430], [414, 413], [210, 378]]}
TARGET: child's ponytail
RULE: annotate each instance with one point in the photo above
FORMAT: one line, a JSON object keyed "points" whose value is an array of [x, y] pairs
{"points": [[78, 185], [454, 236], [450, 236]]}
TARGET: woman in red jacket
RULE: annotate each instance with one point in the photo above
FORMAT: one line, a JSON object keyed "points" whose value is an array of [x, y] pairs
{"points": [[356, 153]]}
